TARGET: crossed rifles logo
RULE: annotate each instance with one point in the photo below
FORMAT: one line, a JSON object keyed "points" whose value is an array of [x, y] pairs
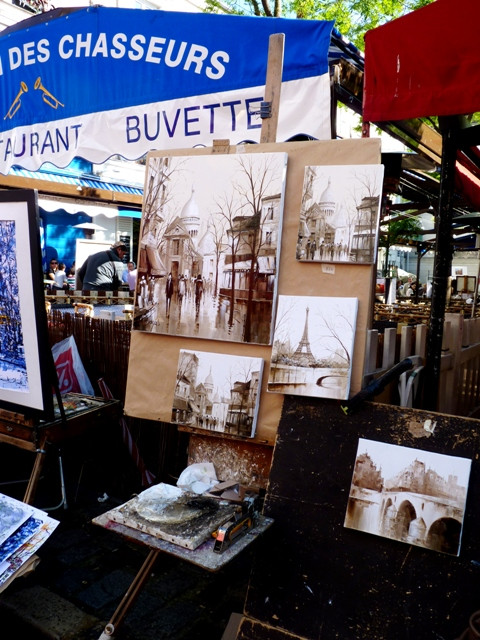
{"points": [[46, 96]]}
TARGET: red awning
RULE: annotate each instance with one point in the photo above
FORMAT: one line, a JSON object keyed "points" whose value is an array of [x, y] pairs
{"points": [[426, 63]]}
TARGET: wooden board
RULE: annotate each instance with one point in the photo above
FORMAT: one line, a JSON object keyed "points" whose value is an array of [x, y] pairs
{"points": [[313, 578]]}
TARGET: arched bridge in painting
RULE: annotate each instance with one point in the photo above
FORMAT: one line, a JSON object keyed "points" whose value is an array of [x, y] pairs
{"points": [[431, 521]]}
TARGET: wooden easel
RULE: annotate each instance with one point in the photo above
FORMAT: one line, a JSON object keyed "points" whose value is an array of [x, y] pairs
{"points": [[273, 86], [268, 134], [21, 431], [257, 454]]}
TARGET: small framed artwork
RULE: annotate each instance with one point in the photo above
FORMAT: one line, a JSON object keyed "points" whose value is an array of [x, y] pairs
{"points": [[409, 495], [340, 213], [209, 246], [313, 346], [217, 392], [26, 362]]}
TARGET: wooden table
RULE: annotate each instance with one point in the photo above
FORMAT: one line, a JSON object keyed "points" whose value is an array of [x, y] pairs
{"points": [[203, 556], [36, 437]]}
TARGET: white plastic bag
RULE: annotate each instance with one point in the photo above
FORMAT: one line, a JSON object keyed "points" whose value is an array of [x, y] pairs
{"points": [[198, 477]]}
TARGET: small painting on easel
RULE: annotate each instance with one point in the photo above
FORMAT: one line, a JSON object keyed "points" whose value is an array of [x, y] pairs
{"points": [[217, 392], [339, 215], [313, 346], [409, 495], [25, 357]]}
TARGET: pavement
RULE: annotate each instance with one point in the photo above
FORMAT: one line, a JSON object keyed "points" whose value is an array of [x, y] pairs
{"points": [[85, 570]]}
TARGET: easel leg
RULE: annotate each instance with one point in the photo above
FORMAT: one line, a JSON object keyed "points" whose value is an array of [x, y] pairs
{"points": [[63, 491], [130, 596], [34, 476]]}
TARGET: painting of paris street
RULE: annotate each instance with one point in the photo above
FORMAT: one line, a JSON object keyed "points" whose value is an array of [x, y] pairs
{"points": [[405, 494], [209, 246], [13, 366], [217, 392], [339, 214], [312, 346]]}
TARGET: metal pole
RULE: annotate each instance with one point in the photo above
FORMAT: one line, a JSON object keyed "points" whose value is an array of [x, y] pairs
{"points": [[442, 264]]}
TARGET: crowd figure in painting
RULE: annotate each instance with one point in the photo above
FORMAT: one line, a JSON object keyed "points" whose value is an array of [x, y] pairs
{"points": [[174, 291], [324, 251]]}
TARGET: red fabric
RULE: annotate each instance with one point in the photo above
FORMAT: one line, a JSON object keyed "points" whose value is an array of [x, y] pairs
{"points": [[468, 184], [426, 63]]}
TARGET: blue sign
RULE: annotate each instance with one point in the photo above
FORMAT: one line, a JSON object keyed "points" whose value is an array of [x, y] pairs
{"points": [[98, 81]]}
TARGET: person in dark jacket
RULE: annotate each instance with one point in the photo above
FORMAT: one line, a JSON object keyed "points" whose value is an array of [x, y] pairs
{"points": [[103, 271]]}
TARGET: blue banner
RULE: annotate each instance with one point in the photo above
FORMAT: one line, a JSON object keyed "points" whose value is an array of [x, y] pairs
{"points": [[152, 79]]}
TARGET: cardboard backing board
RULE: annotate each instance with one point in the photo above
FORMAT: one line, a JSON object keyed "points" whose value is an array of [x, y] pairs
{"points": [[314, 578], [153, 358]]}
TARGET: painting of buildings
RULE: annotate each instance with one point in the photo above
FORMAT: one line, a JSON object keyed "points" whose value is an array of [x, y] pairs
{"points": [[209, 246], [339, 217], [217, 392], [313, 346], [413, 496]]}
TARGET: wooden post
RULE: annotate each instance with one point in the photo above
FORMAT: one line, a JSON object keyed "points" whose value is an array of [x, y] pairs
{"points": [[273, 86]]}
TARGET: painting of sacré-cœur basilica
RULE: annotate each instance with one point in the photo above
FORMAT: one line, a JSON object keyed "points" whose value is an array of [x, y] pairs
{"points": [[209, 246], [217, 392], [339, 214]]}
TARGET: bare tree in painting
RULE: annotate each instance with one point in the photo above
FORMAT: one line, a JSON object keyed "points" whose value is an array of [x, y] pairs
{"points": [[282, 347], [257, 183], [216, 228], [239, 418], [365, 188], [334, 328], [228, 209], [158, 194]]}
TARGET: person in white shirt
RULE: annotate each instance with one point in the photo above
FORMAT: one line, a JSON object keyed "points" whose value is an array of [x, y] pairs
{"points": [[61, 277], [130, 275]]}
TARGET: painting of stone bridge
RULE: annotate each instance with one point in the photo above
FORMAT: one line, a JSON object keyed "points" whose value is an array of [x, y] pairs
{"points": [[410, 495]]}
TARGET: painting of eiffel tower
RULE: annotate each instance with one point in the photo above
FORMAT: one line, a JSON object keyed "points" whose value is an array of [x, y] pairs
{"points": [[313, 357], [303, 354]]}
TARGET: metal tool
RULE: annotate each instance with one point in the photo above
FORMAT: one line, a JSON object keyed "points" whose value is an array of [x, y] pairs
{"points": [[242, 520]]}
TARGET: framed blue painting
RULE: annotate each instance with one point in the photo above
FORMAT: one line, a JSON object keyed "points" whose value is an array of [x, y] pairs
{"points": [[26, 363]]}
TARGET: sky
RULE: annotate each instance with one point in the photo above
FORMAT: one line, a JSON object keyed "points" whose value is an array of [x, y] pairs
{"points": [[225, 369], [393, 458], [290, 321], [212, 177]]}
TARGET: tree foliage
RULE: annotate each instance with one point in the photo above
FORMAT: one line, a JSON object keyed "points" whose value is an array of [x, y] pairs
{"points": [[352, 17], [398, 232]]}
